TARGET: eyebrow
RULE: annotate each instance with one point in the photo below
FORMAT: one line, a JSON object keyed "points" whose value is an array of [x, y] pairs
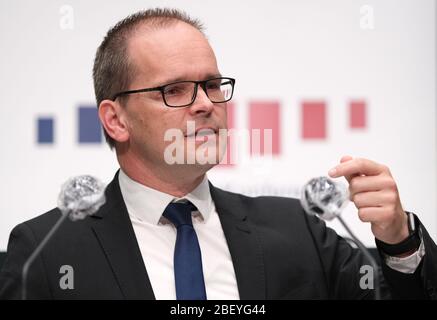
{"points": [[176, 79]]}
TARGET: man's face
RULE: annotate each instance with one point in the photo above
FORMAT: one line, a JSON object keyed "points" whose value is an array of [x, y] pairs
{"points": [[173, 53]]}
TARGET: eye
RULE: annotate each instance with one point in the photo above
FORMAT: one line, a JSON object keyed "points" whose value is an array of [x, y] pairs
{"points": [[213, 85], [173, 90], [177, 89]]}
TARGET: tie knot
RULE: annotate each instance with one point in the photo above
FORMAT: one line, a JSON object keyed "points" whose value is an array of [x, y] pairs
{"points": [[179, 213]]}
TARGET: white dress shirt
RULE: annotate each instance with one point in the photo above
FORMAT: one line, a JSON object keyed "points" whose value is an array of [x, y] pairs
{"points": [[407, 264], [156, 238]]}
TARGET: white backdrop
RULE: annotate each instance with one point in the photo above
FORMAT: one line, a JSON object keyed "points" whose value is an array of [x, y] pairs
{"points": [[283, 51]]}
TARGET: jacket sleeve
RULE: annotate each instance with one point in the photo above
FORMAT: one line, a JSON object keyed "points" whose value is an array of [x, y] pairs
{"points": [[422, 284], [348, 273], [343, 268], [21, 245]]}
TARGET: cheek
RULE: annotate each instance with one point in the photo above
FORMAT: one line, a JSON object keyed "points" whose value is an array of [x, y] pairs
{"points": [[141, 130], [153, 124], [138, 126], [222, 113], [151, 128]]}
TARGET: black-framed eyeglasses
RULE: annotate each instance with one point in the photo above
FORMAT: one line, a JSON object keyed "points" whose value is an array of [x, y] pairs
{"points": [[183, 93]]}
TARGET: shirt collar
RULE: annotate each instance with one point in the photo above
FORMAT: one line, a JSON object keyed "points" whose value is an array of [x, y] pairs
{"points": [[148, 205]]}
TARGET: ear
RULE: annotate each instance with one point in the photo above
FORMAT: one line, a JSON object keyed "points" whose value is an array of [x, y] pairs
{"points": [[112, 118]]}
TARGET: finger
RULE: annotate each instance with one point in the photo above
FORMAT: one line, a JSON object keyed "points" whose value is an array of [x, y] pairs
{"points": [[372, 199], [372, 214], [358, 166], [345, 159], [370, 183]]}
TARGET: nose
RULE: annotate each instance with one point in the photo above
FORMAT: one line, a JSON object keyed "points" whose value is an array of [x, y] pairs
{"points": [[202, 104]]}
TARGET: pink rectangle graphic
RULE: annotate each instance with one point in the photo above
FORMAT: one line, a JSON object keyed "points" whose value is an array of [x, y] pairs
{"points": [[313, 120], [264, 123], [357, 114]]}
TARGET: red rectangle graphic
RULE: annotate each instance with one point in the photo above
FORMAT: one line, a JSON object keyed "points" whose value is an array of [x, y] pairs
{"points": [[264, 116], [313, 120], [357, 114]]}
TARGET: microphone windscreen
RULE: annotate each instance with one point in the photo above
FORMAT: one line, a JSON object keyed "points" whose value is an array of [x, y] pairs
{"points": [[324, 197], [81, 196]]}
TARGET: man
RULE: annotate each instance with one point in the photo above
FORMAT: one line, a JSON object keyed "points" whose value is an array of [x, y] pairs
{"points": [[165, 232]]}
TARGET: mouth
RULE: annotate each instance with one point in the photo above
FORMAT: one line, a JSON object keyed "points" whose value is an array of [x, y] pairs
{"points": [[202, 132]]}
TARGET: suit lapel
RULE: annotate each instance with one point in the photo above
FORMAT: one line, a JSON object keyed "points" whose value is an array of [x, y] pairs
{"points": [[243, 243], [115, 233], [114, 230]]}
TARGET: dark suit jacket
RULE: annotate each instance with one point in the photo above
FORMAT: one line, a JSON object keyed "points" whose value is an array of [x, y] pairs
{"points": [[277, 250]]}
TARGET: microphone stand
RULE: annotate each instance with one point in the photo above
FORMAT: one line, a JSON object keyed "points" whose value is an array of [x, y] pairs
{"points": [[37, 251], [368, 255]]}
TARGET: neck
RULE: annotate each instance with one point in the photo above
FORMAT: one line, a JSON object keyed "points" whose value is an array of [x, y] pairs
{"points": [[174, 180]]}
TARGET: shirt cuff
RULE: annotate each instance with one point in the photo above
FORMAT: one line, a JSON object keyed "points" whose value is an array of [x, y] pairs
{"points": [[406, 264]]}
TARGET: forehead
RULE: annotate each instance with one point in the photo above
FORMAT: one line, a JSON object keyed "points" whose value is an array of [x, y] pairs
{"points": [[177, 51]]}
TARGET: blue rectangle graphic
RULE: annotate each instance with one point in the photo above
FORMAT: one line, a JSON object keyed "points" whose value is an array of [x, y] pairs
{"points": [[90, 130], [45, 127]]}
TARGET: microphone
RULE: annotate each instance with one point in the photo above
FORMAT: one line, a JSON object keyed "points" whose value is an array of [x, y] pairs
{"points": [[80, 197], [326, 199]]}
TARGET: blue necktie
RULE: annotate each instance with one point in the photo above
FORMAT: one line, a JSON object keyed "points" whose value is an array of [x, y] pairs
{"points": [[187, 257]]}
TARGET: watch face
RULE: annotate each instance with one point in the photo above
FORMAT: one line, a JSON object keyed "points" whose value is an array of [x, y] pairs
{"points": [[411, 222]]}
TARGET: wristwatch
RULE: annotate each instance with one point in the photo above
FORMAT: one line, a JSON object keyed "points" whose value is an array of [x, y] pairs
{"points": [[410, 244]]}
